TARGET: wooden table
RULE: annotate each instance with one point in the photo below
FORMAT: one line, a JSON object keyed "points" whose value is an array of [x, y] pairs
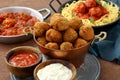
{"points": [[109, 70]]}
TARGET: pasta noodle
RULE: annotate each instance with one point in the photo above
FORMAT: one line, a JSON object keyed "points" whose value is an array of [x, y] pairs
{"points": [[113, 10]]}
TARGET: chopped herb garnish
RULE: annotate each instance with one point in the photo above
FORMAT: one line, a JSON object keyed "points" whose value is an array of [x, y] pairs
{"points": [[73, 15], [105, 5], [98, 1], [24, 15], [91, 19]]}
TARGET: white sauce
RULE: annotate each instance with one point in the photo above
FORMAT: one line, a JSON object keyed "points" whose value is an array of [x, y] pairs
{"points": [[55, 71]]}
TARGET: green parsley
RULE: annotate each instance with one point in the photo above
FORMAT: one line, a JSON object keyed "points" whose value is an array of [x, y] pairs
{"points": [[73, 15], [24, 15], [91, 19], [105, 5], [98, 1]]}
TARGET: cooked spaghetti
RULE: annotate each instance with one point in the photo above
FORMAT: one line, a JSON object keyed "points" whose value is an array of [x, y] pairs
{"points": [[112, 15]]}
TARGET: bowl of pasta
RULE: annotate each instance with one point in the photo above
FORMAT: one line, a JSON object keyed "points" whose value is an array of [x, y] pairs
{"points": [[16, 23], [100, 14]]}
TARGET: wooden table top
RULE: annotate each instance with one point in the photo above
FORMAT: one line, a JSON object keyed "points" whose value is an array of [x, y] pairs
{"points": [[109, 70]]}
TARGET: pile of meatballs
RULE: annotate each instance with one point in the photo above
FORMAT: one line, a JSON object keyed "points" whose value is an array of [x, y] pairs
{"points": [[63, 34]]}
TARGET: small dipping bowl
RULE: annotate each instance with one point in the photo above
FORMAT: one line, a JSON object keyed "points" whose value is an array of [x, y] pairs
{"points": [[52, 61], [18, 70]]}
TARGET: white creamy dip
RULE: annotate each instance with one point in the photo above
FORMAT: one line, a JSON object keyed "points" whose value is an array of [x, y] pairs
{"points": [[55, 71]]}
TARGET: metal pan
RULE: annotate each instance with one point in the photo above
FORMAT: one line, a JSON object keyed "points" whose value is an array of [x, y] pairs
{"points": [[96, 28], [32, 12]]}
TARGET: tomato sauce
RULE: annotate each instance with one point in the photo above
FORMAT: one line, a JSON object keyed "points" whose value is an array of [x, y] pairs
{"points": [[23, 58], [15, 23]]}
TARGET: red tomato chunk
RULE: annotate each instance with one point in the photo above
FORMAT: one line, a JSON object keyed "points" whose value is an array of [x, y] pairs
{"points": [[15, 23], [23, 59]]}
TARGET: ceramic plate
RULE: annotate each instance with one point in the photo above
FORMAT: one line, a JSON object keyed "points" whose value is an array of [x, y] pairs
{"points": [[89, 70]]}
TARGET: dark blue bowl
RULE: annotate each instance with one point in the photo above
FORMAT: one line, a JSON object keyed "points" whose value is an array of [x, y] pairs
{"points": [[96, 28]]}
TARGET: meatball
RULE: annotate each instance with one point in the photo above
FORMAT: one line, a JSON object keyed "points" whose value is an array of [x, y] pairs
{"points": [[52, 45], [82, 7], [38, 31], [53, 36], [95, 11], [40, 28], [32, 21], [90, 3], [86, 32], [80, 42], [66, 46], [70, 35], [44, 25], [75, 23], [8, 22], [59, 22], [56, 15], [42, 40]]}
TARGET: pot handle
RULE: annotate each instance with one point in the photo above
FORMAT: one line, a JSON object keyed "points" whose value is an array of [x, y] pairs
{"points": [[50, 4], [101, 36], [45, 12]]}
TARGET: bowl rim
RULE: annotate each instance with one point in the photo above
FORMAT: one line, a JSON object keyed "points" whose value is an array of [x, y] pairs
{"points": [[22, 7], [36, 51], [15, 36], [65, 63]]}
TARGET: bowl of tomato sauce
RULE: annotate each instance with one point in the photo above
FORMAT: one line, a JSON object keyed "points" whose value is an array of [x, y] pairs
{"points": [[22, 60], [17, 22]]}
